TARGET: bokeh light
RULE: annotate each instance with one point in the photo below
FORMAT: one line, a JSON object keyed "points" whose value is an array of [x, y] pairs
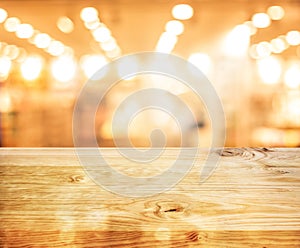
{"points": [[90, 64], [269, 70], [202, 61], [182, 12], [3, 15], [237, 41], [42, 40], [11, 51], [292, 76], [174, 27], [89, 14], [166, 42], [278, 45], [101, 34], [63, 69], [5, 66], [293, 38], [56, 48], [276, 12], [65, 24], [31, 67], [261, 20], [24, 31], [11, 24]]}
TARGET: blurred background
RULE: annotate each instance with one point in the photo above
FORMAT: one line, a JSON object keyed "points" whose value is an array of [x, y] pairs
{"points": [[248, 49]]}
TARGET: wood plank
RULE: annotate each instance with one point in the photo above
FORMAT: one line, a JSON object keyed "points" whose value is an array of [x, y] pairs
{"points": [[251, 200]]}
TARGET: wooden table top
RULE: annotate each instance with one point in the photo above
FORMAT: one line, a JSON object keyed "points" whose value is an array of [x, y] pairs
{"points": [[251, 200]]}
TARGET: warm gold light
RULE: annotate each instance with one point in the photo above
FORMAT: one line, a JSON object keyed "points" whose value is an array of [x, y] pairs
{"points": [[292, 76], [91, 64], [42, 40], [174, 27], [263, 49], [109, 45], [11, 24], [56, 48], [182, 12], [63, 69], [102, 34], [201, 61], [114, 53], [5, 66], [89, 14], [31, 67], [276, 12], [278, 45], [24, 31], [65, 24], [252, 29], [269, 70], [166, 42], [3, 15], [261, 20], [11, 51], [293, 38], [237, 41], [92, 25]]}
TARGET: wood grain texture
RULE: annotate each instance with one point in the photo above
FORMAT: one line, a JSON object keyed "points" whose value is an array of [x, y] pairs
{"points": [[251, 200]]}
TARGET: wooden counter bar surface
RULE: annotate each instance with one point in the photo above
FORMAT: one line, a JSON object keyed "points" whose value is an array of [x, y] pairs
{"points": [[251, 200]]}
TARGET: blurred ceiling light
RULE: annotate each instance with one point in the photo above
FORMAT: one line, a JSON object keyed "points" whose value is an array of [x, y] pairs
{"points": [[5, 66], [174, 27], [24, 31], [237, 41], [293, 38], [251, 27], [63, 69], [276, 12], [32, 67], [89, 14], [68, 51], [11, 51], [65, 24], [114, 53], [109, 45], [11, 24], [269, 70], [42, 40], [292, 76], [102, 34], [166, 42], [182, 12], [22, 55], [56, 48], [261, 20], [278, 45], [202, 61], [263, 49], [92, 25], [3, 15], [91, 64], [253, 52]]}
